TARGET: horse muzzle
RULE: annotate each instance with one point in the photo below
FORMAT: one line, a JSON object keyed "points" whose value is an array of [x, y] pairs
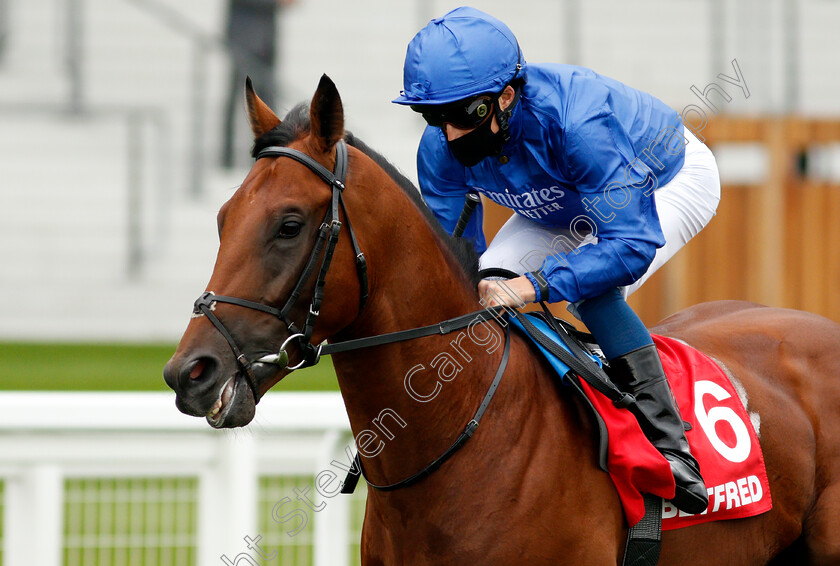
{"points": [[206, 387]]}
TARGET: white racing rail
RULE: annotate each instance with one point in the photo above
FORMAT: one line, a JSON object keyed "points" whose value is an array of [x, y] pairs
{"points": [[48, 439]]}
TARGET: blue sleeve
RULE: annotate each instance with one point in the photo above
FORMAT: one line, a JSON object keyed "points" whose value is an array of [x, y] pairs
{"points": [[444, 189], [619, 213]]}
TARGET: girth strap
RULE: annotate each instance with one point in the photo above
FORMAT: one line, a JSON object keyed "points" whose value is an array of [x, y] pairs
{"points": [[644, 539]]}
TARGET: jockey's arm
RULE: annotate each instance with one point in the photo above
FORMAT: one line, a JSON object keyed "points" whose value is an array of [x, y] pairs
{"points": [[625, 226]]}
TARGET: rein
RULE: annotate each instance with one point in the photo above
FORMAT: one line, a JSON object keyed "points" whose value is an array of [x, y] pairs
{"points": [[358, 470]]}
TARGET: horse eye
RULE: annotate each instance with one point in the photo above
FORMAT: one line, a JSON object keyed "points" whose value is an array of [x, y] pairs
{"points": [[290, 229]]}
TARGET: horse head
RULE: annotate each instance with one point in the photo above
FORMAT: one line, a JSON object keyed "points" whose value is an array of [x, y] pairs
{"points": [[280, 235]]}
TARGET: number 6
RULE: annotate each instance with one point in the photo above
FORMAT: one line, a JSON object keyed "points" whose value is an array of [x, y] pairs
{"points": [[709, 419]]}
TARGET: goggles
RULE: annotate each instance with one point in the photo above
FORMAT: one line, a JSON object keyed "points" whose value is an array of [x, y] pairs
{"points": [[464, 114]]}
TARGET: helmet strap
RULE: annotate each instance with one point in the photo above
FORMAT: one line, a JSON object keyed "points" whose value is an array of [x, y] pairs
{"points": [[503, 116]]}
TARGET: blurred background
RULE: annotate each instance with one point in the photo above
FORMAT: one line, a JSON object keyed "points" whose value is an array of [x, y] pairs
{"points": [[122, 131]]}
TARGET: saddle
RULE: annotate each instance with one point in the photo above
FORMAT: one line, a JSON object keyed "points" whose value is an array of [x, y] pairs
{"points": [[575, 356], [720, 430]]}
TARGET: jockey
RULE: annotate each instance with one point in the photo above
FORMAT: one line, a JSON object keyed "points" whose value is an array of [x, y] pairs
{"points": [[606, 182]]}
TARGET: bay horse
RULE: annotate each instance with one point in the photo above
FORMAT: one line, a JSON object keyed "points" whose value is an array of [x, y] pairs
{"points": [[526, 489]]}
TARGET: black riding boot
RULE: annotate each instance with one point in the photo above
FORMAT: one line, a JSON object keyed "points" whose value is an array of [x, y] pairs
{"points": [[640, 373]]}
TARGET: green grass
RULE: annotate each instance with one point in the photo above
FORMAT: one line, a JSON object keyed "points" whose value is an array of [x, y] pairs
{"points": [[115, 367]]}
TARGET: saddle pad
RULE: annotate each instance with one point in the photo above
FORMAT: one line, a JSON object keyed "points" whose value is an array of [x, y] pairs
{"points": [[722, 438]]}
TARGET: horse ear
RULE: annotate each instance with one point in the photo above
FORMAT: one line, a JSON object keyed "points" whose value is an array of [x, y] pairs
{"points": [[260, 116], [326, 115]]}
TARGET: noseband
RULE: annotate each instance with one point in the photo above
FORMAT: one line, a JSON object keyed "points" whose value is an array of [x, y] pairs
{"points": [[327, 239]]}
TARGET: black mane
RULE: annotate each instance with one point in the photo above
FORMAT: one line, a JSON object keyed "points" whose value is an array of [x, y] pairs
{"points": [[296, 123]]}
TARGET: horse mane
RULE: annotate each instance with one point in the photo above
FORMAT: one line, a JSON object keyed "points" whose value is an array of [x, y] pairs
{"points": [[296, 124]]}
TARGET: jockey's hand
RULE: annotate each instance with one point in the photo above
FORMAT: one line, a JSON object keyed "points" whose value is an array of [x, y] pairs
{"points": [[516, 292]]}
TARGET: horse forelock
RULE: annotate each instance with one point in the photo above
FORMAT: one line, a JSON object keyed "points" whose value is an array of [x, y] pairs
{"points": [[296, 124], [293, 126]]}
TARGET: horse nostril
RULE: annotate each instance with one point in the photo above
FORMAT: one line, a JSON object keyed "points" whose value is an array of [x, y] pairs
{"points": [[194, 377], [198, 368], [198, 371]]}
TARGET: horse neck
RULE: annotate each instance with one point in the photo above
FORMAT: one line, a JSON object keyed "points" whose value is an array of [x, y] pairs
{"points": [[413, 288]]}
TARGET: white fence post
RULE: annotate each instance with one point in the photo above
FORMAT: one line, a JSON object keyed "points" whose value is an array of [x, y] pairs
{"points": [[332, 525], [228, 497], [34, 517]]}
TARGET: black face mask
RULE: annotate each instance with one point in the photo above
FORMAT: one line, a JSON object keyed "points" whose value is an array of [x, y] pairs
{"points": [[471, 148]]}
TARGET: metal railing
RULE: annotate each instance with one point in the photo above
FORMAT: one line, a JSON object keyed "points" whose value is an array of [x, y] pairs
{"points": [[139, 242], [4, 26], [204, 46]]}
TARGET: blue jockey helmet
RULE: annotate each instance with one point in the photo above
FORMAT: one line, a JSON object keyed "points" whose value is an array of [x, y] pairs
{"points": [[463, 54]]}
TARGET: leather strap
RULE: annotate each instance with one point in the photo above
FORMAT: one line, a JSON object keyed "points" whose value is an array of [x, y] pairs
{"points": [[444, 327], [326, 242], [357, 470], [644, 539], [208, 298], [361, 263], [244, 364], [335, 179], [587, 369]]}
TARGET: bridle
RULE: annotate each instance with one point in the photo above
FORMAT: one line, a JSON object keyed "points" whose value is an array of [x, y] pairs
{"points": [[326, 241]]}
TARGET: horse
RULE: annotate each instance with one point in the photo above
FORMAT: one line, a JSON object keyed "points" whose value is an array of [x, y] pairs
{"points": [[526, 488]]}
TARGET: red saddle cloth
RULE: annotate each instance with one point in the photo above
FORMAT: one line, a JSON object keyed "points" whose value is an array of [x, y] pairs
{"points": [[722, 438]]}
